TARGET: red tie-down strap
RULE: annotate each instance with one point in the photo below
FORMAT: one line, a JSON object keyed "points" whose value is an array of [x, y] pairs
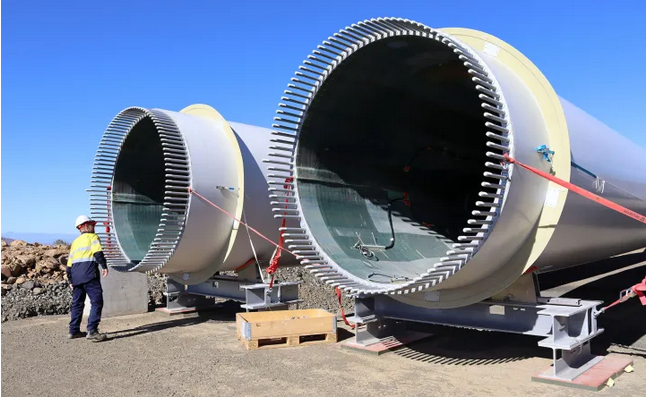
{"points": [[580, 191], [342, 310], [274, 262], [279, 246], [641, 291]]}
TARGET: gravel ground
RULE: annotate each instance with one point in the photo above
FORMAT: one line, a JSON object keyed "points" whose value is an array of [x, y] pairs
{"points": [[22, 302], [198, 355], [157, 286], [313, 293]]}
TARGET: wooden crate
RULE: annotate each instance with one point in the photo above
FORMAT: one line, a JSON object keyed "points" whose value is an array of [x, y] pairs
{"points": [[290, 328]]}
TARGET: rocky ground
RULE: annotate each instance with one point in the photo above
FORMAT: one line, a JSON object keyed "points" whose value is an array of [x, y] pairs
{"points": [[314, 294], [34, 283], [157, 286], [33, 280]]}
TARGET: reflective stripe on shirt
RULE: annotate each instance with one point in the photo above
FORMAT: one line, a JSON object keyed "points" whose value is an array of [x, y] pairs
{"points": [[80, 260], [81, 248]]}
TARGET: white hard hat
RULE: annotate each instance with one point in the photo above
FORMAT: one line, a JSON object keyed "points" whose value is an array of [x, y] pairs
{"points": [[82, 220]]}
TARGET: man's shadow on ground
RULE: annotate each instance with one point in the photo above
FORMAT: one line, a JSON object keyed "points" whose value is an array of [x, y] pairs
{"points": [[222, 312]]}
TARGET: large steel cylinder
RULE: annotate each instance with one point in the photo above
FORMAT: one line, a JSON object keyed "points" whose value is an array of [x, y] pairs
{"points": [[389, 152], [148, 221]]}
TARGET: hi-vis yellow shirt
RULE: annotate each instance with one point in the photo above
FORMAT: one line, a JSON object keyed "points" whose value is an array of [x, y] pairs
{"points": [[82, 262]]}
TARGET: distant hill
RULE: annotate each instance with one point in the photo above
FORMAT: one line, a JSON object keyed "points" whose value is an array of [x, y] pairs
{"points": [[31, 237]]}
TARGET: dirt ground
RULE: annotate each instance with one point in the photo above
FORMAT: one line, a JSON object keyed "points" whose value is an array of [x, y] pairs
{"points": [[198, 355]]}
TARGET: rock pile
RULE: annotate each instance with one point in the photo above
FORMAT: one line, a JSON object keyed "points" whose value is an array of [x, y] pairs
{"points": [[34, 281], [157, 287], [32, 298], [32, 264], [312, 292]]}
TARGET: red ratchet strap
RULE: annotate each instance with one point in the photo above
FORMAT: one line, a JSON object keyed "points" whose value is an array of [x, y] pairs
{"points": [[580, 191], [639, 290], [342, 311], [274, 262], [191, 191]]}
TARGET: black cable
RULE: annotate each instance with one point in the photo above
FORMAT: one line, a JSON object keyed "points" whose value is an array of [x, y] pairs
{"points": [[392, 239], [405, 198], [368, 253]]}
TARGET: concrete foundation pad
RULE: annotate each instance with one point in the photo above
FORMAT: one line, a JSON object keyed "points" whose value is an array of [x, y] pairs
{"points": [[168, 311], [125, 293], [188, 303], [595, 378], [184, 310], [388, 344]]}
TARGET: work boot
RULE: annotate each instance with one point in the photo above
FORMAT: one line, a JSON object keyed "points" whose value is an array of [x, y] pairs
{"points": [[76, 335], [95, 336]]}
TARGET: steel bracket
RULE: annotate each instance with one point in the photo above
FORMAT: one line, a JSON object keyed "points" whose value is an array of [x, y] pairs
{"points": [[253, 295], [568, 325]]}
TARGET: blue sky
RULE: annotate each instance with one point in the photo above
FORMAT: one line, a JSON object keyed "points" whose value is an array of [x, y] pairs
{"points": [[70, 67]]}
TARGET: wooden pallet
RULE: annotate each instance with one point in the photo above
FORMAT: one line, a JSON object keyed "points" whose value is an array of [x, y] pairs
{"points": [[290, 328], [290, 341]]}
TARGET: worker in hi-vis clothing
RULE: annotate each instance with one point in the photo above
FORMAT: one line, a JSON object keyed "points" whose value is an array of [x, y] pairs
{"points": [[83, 275]]}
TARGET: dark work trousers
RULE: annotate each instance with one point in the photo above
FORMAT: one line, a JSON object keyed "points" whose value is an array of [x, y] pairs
{"points": [[94, 291]]}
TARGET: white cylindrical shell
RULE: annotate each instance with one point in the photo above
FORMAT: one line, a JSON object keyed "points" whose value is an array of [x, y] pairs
{"points": [[213, 241], [207, 229], [225, 166], [611, 166], [528, 224]]}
